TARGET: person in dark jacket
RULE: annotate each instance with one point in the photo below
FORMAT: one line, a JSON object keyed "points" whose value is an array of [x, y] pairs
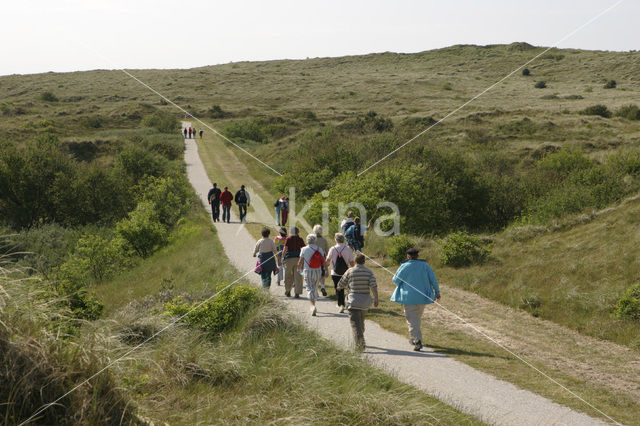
{"points": [[243, 201], [225, 198], [214, 200]]}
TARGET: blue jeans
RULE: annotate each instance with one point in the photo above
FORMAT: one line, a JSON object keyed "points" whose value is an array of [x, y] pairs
{"points": [[266, 279], [226, 213], [242, 207]]}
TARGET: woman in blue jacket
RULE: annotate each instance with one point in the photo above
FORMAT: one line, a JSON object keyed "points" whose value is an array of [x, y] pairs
{"points": [[417, 286]]}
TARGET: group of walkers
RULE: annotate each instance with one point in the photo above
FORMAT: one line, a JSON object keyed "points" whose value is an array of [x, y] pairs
{"points": [[190, 133], [301, 263], [224, 198]]}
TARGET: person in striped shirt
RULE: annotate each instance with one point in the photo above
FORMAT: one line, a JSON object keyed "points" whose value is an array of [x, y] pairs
{"points": [[361, 283]]}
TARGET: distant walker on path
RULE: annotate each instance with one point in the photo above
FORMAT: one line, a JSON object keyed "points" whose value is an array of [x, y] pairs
{"points": [[243, 201], [417, 286]]}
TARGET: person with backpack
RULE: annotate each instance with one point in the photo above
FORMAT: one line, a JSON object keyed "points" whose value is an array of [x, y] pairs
{"points": [[416, 286], [266, 251], [214, 200], [340, 258], [347, 222], [355, 237], [291, 254], [310, 263], [225, 198], [279, 240], [361, 282], [324, 245], [243, 201]]}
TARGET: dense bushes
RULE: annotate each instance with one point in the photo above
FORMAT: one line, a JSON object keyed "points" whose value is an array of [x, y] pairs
{"points": [[48, 97], [611, 84], [628, 306], [397, 247], [220, 313], [246, 129], [630, 112], [599, 109], [163, 122], [462, 249], [540, 85]]}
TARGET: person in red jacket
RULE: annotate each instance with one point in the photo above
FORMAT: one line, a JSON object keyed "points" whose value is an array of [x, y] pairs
{"points": [[225, 199]]}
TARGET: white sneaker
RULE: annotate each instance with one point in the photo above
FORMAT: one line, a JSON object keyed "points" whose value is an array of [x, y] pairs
{"points": [[313, 311], [342, 309]]}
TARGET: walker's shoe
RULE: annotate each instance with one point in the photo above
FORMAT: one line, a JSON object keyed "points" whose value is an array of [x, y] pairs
{"points": [[417, 346], [287, 293], [324, 292], [341, 309], [297, 296], [279, 283], [313, 311]]}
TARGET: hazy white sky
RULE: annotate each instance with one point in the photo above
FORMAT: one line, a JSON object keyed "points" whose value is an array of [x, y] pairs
{"points": [[68, 35]]}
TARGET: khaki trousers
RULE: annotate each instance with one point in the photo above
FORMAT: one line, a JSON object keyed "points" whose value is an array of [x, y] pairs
{"points": [[292, 277], [356, 317], [413, 314]]}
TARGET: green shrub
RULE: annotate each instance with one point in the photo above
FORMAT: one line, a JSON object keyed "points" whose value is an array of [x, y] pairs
{"points": [[48, 97], [526, 72], [93, 122], [447, 86], [169, 195], [540, 85], [628, 306], [611, 84], [138, 162], [598, 109], [397, 247], [163, 122], [221, 312], [630, 112], [306, 115], [563, 162], [142, 230], [463, 249], [246, 129], [216, 111], [95, 256], [168, 150]]}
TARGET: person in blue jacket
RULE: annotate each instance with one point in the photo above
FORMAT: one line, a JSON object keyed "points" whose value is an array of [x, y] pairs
{"points": [[416, 286]]}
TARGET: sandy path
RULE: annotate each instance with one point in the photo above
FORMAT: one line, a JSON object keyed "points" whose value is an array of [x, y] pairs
{"points": [[453, 382]]}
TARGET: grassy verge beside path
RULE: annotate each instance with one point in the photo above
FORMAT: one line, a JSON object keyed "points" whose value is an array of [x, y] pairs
{"points": [[266, 369]]}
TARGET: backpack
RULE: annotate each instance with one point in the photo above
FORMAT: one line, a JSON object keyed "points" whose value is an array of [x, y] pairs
{"points": [[316, 260], [340, 266], [350, 232], [242, 197], [347, 225]]}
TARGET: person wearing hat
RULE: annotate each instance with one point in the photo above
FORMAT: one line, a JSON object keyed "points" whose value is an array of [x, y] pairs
{"points": [[291, 254], [416, 286]]}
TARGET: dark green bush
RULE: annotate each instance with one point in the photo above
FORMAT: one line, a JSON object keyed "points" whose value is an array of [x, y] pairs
{"points": [[163, 122], [93, 122], [628, 306], [540, 85], [526, 72], [168, 150], [138, 162], [599, 109], [216, 112], [221, 312], [630, 112], [611, 84], [306, 115], [463, 249], [48, 97], [142, 229], [397, 247], [246, 129]]}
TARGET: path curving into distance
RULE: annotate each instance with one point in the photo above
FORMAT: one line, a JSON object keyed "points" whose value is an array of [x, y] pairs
{"points": [[454, 383]]}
